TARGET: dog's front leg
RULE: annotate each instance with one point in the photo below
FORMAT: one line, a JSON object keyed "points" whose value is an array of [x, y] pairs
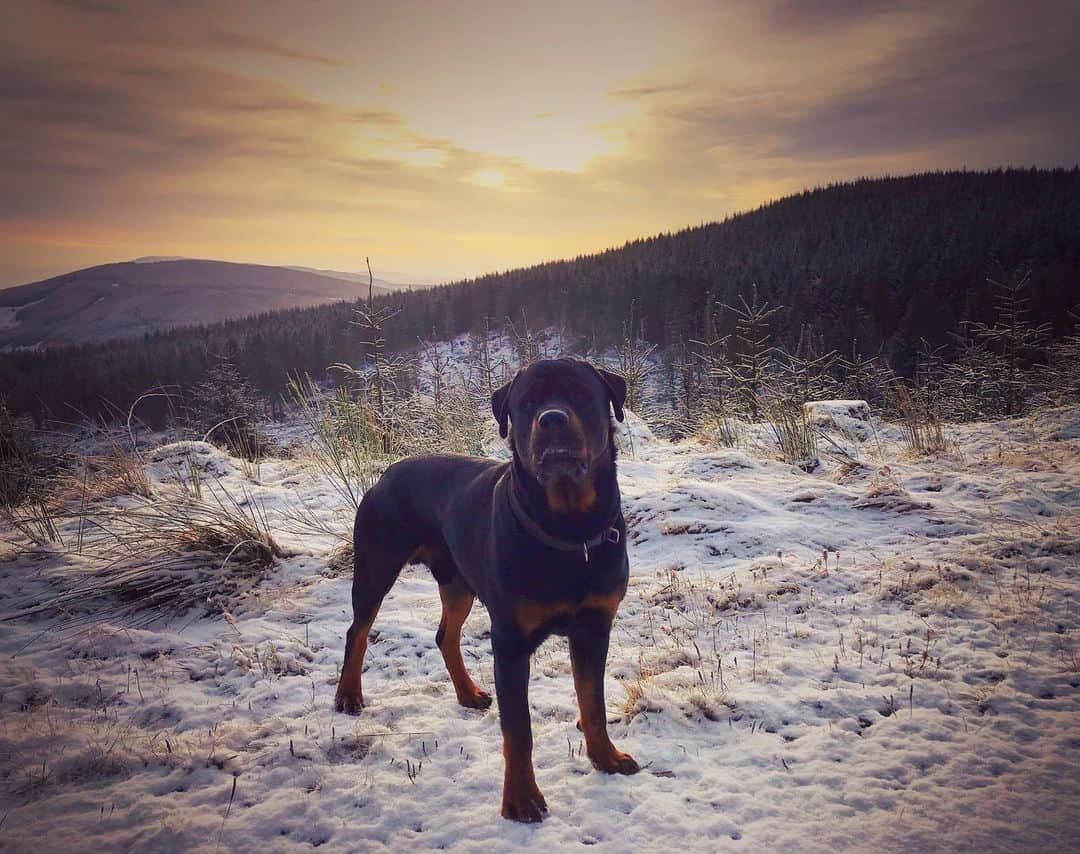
{"points": [[521, 800], [588, 657]]}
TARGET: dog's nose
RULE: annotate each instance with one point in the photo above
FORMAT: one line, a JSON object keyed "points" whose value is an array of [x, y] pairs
{"points": [[552, 418]]}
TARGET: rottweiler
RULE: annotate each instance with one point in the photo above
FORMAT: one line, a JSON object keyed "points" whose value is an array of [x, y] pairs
{"points": [[540, 539]]}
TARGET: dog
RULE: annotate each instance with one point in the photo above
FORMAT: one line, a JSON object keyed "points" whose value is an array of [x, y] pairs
{"points": [[540, 539]]}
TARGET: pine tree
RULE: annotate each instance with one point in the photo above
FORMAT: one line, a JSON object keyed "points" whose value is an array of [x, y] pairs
{"points": [[635, 365], [225, 408], [806, 373], [1013, 337], [752, 365]]}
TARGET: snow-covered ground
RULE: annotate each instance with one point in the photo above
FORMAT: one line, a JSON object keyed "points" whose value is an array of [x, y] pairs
{"points": [[880, 655]]}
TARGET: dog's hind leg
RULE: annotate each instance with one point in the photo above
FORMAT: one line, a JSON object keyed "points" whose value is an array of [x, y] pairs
{"points": [[379, 553], [457, 602], [350, 695]]}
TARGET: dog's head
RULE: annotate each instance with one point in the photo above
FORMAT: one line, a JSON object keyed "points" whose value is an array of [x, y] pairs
{"points": [[559, 410]]}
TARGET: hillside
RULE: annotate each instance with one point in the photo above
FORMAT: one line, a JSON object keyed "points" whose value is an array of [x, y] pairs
{"points": [[135, 297], [876, 265], [884, 262]]}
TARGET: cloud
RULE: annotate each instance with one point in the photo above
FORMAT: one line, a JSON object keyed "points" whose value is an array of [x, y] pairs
{"points": [[975, 78], [126, 123], [649, 90], [179, 128], [230, 40], [123, 151], [817, 15], [166, 24]]}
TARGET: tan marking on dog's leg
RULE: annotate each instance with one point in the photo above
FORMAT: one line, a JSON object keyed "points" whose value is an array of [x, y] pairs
{"points": [[350, 695], [457, 602], [588, 671]]}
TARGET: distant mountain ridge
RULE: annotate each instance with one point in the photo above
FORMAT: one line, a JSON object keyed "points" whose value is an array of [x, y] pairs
{"points": [[391, 280], [154, 293], [388, 279]]}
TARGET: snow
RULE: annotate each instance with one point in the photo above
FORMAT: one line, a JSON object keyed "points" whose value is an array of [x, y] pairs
{"points": [[9, 314], [879, 656]]}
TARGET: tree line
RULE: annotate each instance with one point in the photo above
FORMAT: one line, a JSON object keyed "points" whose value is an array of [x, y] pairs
{"points": [[891, 269]]}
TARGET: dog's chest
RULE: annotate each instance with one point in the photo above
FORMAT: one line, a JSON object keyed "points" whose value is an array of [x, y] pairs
{"points": [[559, 616]]}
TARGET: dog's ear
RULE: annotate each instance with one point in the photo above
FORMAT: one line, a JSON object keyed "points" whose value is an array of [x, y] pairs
{"points": [[500, 406], [616, 387]]}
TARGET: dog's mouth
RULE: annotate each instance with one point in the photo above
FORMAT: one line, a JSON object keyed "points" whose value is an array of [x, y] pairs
{"points": [[559, 462]]}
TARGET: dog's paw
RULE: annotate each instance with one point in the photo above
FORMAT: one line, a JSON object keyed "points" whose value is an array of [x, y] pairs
{"points": [[615, 762], [476, 700], [349, 704], [523, 803]]}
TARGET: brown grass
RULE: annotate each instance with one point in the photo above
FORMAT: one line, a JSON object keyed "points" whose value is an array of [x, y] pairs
{"points": [[160, 556], [923, 427]]}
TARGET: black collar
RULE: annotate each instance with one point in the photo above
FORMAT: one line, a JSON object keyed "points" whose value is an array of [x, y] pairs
{"points": [[607, 534]]}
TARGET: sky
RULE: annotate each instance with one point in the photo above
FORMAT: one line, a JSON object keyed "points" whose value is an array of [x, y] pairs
{"points": [[452, 139]]}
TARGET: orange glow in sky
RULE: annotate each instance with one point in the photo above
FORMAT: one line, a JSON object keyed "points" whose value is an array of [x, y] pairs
{"points": [[451, 139]]}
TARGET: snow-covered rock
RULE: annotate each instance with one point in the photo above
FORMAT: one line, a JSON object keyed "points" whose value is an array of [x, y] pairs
{"points": [[632, 433], [847, 416]]}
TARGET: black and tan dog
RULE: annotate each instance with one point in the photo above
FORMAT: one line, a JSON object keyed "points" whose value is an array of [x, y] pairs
{"points": [[541, 541]]}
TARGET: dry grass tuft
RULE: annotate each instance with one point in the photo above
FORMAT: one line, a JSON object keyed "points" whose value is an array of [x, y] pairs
{"points": [[721, 430], [158, 557], [339, 563], [28, 503], [795, 437], [117, 472], [923, 427], [347, 446]]}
